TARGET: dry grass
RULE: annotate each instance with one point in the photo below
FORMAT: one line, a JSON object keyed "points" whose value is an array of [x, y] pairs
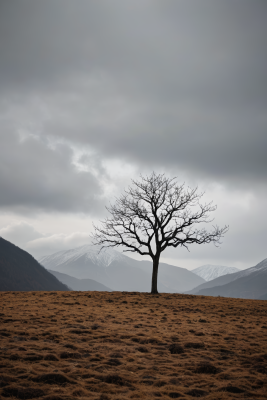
{"points": [[99, 345]]}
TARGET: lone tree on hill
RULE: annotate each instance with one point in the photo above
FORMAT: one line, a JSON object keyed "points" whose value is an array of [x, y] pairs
{"points": [[156, 213]]}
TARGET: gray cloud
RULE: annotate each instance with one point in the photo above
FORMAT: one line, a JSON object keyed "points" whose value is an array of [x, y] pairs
{"points": [[36, 177], [190, 78], [20, 233], [38, 244], [56, 242]]}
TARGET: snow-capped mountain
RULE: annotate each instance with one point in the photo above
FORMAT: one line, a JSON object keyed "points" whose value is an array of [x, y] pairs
{"points": [[210, 272], [89, 252], [117, 271], [250, 283]]}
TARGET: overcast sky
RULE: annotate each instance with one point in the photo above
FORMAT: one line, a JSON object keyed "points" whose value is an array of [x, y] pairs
{"points": [[93, 93]]}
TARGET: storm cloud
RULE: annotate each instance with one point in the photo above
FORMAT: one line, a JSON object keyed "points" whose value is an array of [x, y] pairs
{"points": [[93, 93], [160, 83]]}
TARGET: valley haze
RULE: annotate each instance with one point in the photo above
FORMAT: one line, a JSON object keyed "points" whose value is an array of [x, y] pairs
{"points": [[118, 271]]}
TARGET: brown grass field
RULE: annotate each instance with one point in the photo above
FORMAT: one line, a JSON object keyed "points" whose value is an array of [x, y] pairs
{"points": [[121, 345]]}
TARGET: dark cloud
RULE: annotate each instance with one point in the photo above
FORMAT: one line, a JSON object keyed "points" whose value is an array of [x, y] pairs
{"points": [[178, 84]]}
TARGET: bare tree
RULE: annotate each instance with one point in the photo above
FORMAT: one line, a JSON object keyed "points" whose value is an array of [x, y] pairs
{"points": [[156, 213]]}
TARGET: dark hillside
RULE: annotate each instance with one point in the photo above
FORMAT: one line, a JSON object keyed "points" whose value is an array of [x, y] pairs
{"points": [[19, 271]]}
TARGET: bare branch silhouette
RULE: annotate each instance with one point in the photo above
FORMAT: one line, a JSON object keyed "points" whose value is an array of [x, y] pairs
{"points": [[156, 213]]}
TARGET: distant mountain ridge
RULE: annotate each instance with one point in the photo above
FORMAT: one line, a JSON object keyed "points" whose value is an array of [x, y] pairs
{"points": [[119, 272], [210, 272], [19, 271], [80, 284], [248, 284]]}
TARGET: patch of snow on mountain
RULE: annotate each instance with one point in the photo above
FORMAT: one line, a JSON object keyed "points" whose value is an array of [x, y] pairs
{"points": [[210, 272], [101, 258]]}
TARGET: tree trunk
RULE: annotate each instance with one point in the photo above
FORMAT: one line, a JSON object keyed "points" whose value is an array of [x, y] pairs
{"points": [[154, 284]]}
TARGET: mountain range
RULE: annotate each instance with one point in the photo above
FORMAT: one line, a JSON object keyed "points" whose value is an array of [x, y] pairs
{"points": [[19, 271], [250, 283], [210, 272], [85, 268], [119, 272]]}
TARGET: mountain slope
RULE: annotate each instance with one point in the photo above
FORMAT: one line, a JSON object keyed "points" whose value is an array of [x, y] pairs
{"points": [[19, 271], [222, 280], [117, 271], [80, 284], [210, 272], [248, 284], [225, 279]]}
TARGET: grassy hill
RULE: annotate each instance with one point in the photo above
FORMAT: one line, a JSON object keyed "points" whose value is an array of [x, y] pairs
{"points": [[114, 345]]}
